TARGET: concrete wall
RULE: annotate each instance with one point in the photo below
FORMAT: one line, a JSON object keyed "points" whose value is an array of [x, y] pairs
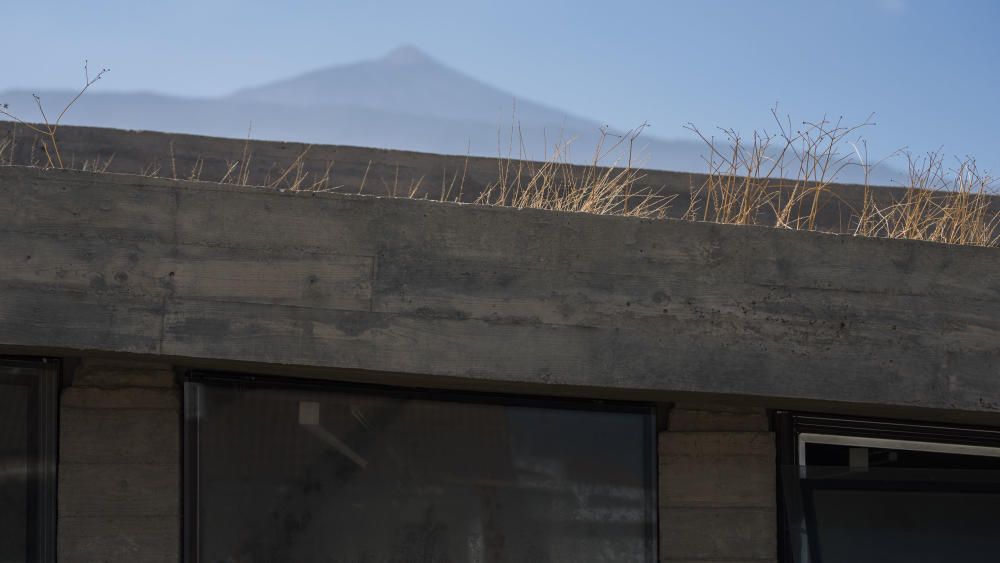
{"points": [[119, 464], [589, 305], [398, 291], [717, 485]]}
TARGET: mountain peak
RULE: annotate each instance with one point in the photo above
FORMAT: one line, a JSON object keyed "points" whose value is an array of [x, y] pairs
{"points": [[405, 81], [407, 55]]}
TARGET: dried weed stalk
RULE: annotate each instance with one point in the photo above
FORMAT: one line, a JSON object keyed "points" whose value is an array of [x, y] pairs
{"points": [[48, 129], [951, 206], [557, 185], [785, 178]]}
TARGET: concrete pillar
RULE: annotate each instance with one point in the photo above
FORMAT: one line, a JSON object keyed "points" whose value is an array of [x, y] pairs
{"points": [[119, 464], [717, 486]]}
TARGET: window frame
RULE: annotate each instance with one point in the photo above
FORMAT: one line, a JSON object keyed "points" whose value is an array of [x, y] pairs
{"points": [[190, 484], [796, 429], [42, 377]]}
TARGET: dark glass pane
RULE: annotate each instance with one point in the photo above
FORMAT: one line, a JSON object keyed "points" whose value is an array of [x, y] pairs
{"points": [[28, 399], [892, 506], [319, 475], [884, 526], [14, 470]]}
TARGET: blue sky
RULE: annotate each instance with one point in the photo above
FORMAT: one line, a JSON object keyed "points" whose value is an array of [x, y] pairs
{"points": [[928, 70]]}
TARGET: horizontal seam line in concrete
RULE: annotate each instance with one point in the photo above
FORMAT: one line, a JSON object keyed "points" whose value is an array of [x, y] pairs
{"points": [[726, 560], [694, 507], [887, 291], [405, 315], [65, 406], [124, 515], [123, 464], [709, 456], [119, 462], [445, 260], [88, 235], [128, 387], [686, 506], [123, 409]]}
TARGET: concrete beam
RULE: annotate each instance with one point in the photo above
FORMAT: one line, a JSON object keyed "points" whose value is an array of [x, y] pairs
{"points": [[115, 263]]}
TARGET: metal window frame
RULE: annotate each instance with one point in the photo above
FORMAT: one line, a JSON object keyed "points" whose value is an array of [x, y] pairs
{"points": [[42, 377], [891, 443], [796, 430], [190, 483]]}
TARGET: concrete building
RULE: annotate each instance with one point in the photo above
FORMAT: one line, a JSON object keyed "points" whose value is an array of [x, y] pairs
{"points": [[203, 372]]}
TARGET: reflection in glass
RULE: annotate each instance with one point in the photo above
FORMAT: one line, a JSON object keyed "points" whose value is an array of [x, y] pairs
{"points": [[14, 471], [28, 395], [312, 474], [868, 505]]}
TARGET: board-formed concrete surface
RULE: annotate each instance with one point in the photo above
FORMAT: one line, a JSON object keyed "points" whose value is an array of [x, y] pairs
{"points": [[197, 271], [119, 464], [718, 499]]}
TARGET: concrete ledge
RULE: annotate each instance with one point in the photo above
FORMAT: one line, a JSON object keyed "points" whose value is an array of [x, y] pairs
{"points": [[182, 270], [717, 418], [97, 372]]}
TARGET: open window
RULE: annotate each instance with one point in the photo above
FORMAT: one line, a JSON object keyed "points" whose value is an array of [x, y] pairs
{"points": [[312, 471], [862, 491], [28, 430]]}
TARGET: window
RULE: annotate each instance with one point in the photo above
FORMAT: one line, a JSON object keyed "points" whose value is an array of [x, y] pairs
{"points": [[28, 427], [317, 472], [884, 491]]}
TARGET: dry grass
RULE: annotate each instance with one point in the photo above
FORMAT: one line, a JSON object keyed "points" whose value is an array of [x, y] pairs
{"points": [[49, 143], [779, 179], [557, 185], [783, 179], [939, 205]]}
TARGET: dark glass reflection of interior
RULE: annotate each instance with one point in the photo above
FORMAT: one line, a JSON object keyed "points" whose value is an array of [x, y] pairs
{"points": [[308, 475], [28, 394], [861, 505], [14, 471], [827, 455]]}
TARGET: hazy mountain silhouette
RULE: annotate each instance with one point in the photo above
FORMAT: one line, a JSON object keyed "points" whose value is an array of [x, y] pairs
{"points": [[403, 100], [410, 82]]}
